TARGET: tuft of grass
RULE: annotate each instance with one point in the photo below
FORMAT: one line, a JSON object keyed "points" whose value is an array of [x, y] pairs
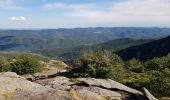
{"points": [[7, 95], [74, 80]]}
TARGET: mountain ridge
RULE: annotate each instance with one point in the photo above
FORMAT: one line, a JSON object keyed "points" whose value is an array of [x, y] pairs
{"points": [[147, 51]]}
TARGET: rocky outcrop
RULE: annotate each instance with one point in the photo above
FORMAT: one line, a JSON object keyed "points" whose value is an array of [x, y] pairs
{"points": [[15, 87]]}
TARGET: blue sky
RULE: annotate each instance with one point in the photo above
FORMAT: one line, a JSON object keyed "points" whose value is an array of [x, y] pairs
{"points": [[35, 14]]}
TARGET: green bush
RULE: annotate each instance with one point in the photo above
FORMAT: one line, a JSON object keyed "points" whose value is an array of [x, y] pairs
{"points": [[159, 69], [4, 65], [160, 82], [103, 64], [136, 80], [158, 63], [135, 65], [25, 64]]}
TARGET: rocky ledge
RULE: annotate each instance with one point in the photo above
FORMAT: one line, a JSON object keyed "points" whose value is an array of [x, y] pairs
{"points": [[15, 87]]}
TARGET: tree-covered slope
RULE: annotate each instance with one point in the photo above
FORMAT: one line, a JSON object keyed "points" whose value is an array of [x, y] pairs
{"points": [[114, 45], [148, 50]]}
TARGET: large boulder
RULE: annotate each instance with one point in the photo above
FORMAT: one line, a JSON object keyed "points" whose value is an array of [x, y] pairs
{"points": [[15, 87], [110, 84]]}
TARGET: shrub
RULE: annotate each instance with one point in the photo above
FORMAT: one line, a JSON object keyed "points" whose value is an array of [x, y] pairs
{"points": [[25, 64], [135, 65], [4, 65], [159, 69], [103, 64], [136, 80], [158, 63], [160, 82]]}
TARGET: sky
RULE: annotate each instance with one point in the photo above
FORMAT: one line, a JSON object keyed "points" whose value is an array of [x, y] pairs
{"points": [[37, 14]]}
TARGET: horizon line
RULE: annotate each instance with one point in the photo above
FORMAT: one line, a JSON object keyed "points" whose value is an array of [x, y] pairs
{"points": [[81, 28]]}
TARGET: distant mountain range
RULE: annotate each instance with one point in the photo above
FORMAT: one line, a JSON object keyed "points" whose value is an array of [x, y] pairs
{"points": [[58, 42], [147, 51]]}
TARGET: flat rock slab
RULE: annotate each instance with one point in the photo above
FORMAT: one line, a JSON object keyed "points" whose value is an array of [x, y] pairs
{"points": [[107, 94], [110, 84], [46, 74]]}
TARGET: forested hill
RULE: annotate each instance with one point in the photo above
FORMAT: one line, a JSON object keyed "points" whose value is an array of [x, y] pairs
{"points": [[114, 45], [119, 44], [148, 50]]}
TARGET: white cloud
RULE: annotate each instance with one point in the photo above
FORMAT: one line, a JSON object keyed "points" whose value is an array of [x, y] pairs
{"points": [[126, 11], [18, 18]]}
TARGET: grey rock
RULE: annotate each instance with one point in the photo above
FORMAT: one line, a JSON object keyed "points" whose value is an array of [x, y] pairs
{"points": [[59, 83], [44, 95], [45, 74], [10, 75], [111, 84], [107, 94], [83, 94], [15, 87]]}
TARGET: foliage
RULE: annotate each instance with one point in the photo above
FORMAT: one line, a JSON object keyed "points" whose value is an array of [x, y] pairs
{"points": [[160, 82], [158, 63], [147, 51], [4, 65], [114, 45], [74, 80], [103, 64], [159, 69], [153, 74], [25, 64], [54, 42], [135, 65], [136, 80], [156, 76]]}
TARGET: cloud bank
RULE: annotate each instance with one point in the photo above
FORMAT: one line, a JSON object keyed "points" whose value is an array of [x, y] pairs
{"points": [[126, 11]]}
